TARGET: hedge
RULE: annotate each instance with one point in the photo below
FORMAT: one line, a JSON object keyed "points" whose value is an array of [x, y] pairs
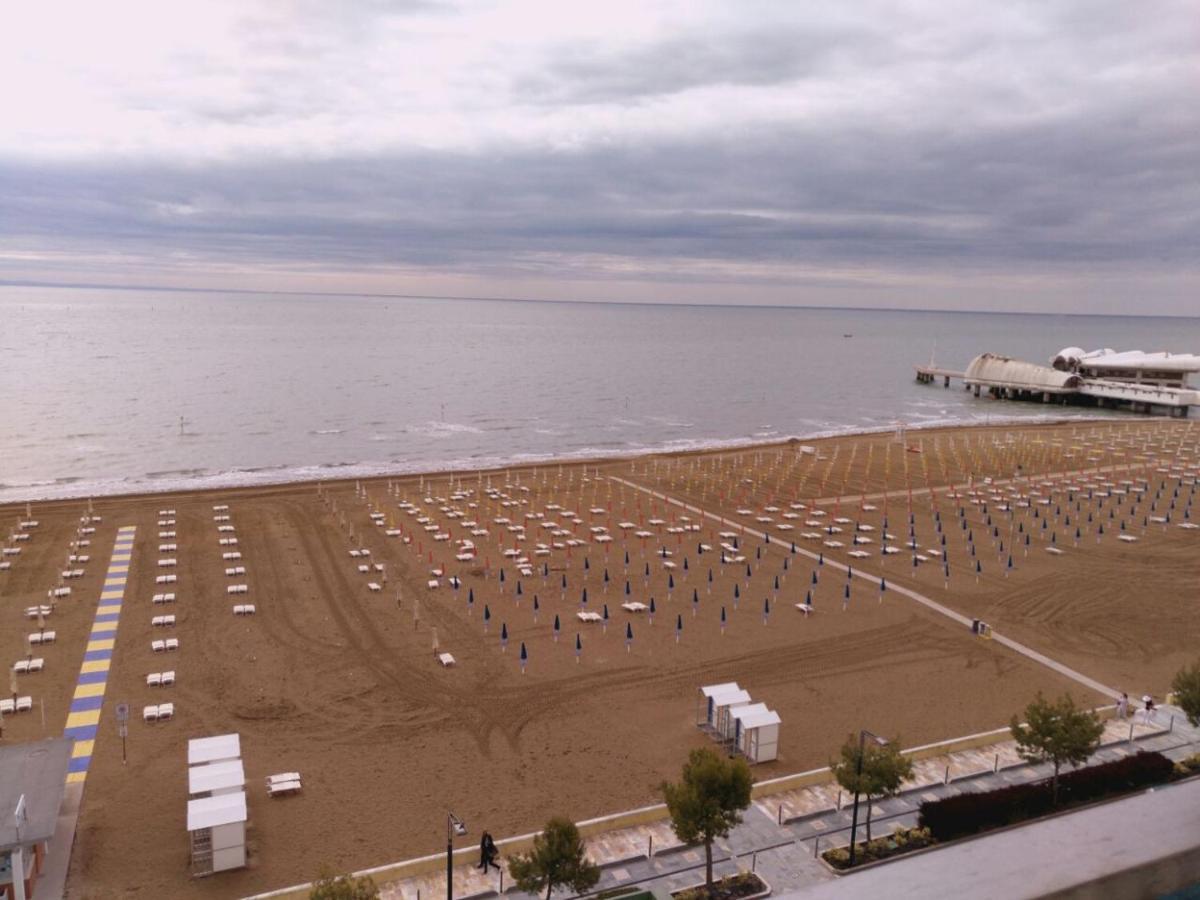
{"points": [[965, 814]]}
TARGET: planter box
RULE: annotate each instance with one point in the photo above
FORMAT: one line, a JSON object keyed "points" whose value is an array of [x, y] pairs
{"points": [[765, 892]]}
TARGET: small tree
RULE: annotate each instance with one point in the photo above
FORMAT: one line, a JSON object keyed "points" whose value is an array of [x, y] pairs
{"points": [[557, 858], [708, 801], [884, 769], [1057, 732], [1186, 688], [343, 887]]}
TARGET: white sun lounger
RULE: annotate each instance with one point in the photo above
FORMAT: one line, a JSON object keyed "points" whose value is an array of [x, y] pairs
{"points": [[158, 646], [23, 666], [43, 637], [235, 570], [166, 579], [163, 598], [280, 788], [244, 609], [446, 659], [282, 778], [374, 586], [154, 679], [172, 643], [231, 555], [24, 704], [163, 622], [237, 589], [364, 568]]}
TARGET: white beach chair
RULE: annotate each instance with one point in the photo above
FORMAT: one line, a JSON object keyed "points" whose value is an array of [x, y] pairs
{"points": [[168, 677], [446, 659], [154, 679], [281, 788], [7, 707], [172, 644], [150, 713], [158, 646], [166, 711], [21, 666]]}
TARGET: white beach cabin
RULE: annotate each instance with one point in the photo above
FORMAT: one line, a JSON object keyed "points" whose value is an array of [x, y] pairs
{"points": [[731, 731], [758, 735], [214, 749], [213, 779], [217, 828], [710, 698]]}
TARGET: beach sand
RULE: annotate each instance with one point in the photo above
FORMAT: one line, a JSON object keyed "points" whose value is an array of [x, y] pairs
{"points": [[339, 683]]}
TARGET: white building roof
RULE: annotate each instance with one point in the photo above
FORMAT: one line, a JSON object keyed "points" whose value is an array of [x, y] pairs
{"points": [[740, 713], [993, 370], [732, 698], [712, 690], [216, 776], [211, 749], [1136, 360], [759, 719], [209, 812]]}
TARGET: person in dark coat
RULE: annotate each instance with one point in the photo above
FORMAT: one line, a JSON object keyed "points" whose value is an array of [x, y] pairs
{"points": [[485, 846], [491, 854]]}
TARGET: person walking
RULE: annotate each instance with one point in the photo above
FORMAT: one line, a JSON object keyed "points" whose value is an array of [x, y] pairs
{"points": [[1123, 706], [491, 854], [485, 845]]}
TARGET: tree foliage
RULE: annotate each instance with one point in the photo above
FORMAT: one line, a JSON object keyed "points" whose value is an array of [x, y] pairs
{"points": [[1057, 732], [343, 887], [558, 858], [708, 800], [1186, 688], [884, 770]]}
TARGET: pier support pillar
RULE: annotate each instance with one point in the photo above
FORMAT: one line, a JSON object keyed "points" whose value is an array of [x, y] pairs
{"points": [[947, 382]]}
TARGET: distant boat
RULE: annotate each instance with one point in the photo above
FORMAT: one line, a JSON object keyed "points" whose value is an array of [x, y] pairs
{"points": [[847, 335]]}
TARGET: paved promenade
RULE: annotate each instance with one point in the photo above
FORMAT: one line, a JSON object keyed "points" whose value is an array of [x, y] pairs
{"points": [[782, 833]]}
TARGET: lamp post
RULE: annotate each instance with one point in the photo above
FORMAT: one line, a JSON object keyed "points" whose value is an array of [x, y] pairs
{"points": [[454, 825], [862, 737]]}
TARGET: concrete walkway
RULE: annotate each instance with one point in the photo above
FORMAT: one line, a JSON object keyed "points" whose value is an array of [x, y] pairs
{"points": [[781, 835]]}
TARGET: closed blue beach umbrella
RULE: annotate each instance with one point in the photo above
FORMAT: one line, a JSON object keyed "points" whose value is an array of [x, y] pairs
{"points": [[524, 657], [678, 627], [628, 636], [578, 646], [723, 620], [487, 616], [503, 636], [557, 628]]}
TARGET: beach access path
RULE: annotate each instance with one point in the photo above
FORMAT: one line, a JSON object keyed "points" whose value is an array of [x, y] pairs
{"points": [[959, 618]]}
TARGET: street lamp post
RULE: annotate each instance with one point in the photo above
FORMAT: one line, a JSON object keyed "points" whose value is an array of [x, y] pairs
{"points": [[862, 737], [454, 825]]}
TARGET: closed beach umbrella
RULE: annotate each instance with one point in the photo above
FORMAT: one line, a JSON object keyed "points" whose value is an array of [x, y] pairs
{"points": [[487, 616], [503, 636], [767, 608], [678, 627], [557, 628], [723, 619], [628, 636], [652, 610], [578, 646], [524, 657], [695, 601], [536, 607]]}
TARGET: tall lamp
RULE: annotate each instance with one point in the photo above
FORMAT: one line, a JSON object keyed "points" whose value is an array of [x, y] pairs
{"points": [[454, 826], [862, 738]]}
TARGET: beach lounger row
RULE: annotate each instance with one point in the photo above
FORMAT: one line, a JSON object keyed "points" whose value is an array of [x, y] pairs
{"points": [[11, 551], [72, 573], [77, 558], [221, 507], [165, 646], [226, 529], [166, 512], [231, 555], [32, 612], [165, 535], [237, 589], [30, 523], [22, 704], [235, 570], [160, 679], [163, 622], [160, 713], [167, 548], [166, 579], [167, 563], [4, 566], [42, 637], [221, 518], [23, 666], [162, 523], [62, 592], [244, 609], [227, 542], [163, 598]]}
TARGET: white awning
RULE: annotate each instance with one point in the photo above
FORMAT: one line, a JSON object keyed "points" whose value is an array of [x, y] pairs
{"points": [[210, 812], [211, 749], [217, 776]]}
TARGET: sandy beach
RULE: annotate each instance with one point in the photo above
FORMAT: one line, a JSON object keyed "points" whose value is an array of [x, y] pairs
{"points": [[339, 681]]}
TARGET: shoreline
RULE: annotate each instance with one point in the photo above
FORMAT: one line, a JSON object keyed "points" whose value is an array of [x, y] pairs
{"points": [[332, 473]]}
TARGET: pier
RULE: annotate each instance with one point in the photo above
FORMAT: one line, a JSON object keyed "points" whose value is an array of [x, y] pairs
{"points": [[1140, 382]]}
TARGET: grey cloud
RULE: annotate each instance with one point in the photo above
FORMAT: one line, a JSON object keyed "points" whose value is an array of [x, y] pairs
{"points": [[596, 73]]}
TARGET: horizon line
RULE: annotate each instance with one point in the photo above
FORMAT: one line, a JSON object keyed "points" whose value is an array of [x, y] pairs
{"points": [[5, 282]]}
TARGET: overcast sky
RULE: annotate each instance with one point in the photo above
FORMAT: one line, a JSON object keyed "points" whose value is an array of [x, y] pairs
{"points": [[1018, 155]]}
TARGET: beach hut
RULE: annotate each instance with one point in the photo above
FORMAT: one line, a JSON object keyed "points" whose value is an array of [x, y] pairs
{"points": [[724, 722], [213, 779], [731, 731], [712, 697], [214, 749], [758, 734], [217, 828]]}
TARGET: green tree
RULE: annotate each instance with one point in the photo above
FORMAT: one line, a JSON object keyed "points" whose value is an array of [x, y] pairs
{"points": [[557, 858], [1186, 688], [1057, 732], [343, 887], [884, 770], [708, 801]]}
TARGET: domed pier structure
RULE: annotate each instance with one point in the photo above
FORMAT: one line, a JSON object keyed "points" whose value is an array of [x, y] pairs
{"points": [[1140, 382]]}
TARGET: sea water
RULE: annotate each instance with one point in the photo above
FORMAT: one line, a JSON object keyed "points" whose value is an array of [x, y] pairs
{"points": [[107, 391]]}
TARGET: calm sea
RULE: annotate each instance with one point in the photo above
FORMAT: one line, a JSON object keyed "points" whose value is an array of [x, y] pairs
{"points": [[104, 391]]}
